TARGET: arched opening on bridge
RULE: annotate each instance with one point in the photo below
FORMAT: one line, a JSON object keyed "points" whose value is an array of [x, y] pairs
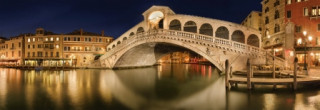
{"points": [[190, 26], [140, 30], [267, 43], [113, 46], [175, 25], [238, 36], [222, 32], [118, 42], [125, 38], [206, 29], [253, 40], [131, 34], [161, 24]]}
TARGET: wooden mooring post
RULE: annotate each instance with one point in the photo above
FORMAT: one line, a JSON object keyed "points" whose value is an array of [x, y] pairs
{"points": [[227, 67], [295, 73], [248, 74]]}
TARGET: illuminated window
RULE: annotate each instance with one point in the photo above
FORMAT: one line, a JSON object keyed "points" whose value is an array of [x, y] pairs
{"points": [[57, 46], [51, 39], [33, 39], [305, 12], [57, 39], [28, 39], [288, 2], [46, 39], [298, 0], [314, 11]]}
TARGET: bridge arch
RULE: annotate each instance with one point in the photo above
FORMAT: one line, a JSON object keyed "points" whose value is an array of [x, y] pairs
{"points": [[206, 29], [190, 26], [253, 40], [131, 34], [125, 38], [140, 30], [175, 25], [222, 32], [238, 36], [119, 42]]}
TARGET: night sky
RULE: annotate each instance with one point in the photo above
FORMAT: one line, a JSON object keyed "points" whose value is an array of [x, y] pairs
{"points": [[113, 16]]}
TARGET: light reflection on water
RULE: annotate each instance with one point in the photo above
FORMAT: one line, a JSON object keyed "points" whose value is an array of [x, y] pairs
{"points": [[178, 86]]}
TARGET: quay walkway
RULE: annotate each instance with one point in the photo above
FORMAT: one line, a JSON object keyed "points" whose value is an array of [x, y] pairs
{"points": [[276, 81]]}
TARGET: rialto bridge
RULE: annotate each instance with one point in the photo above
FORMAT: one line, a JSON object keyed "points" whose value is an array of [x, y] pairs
{"points": [[163, 31]]}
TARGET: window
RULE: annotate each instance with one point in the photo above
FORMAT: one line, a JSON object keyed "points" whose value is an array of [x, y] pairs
{"points": [[12, 55], [100, 40], [39, 46], [57, 39], [276, 15], [28, 39], [314, 11], [46, 39], [19, 44], [75, 39], [51, 39], [265, 2], [298, 0], [28, 54], [78, 38], [57, 46], [318, 27], [33, 54], [276, 3], [266, 10], [46, 54], [318, 10], [57, 54], [33, 46], [276, 28], [39, 54], [288, 2], [267, 20], [19, 53], [289, 14], [298, 29], [305, 12], [28, 46], [51, 54], [33, 39]]}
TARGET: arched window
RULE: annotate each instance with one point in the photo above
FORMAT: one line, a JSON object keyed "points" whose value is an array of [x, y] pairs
{"points": [[175, 25], [276, 41], [125, 38], [266, 20], [131, 34], [140, 30], [206, 29], [276, 14], [161, 24], [190, 26], [113, 46], [253, 40], [266, 10], [238, 36], [118, 42], [222, 32], [267, 43], [276, 28]]}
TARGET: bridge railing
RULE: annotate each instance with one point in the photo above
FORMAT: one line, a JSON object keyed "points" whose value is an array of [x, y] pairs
{"points": [[190, 36]]}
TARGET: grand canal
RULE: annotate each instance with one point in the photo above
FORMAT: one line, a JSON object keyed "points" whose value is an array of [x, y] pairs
{"points": [[177, 86]]}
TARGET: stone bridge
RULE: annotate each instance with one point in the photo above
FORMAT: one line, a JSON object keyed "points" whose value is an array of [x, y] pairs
{"points": [[162, 32]]}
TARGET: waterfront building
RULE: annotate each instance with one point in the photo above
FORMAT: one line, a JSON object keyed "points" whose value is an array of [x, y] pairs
{"points": [[253, 20], [47, 49], [11, 51], [304, 15], [273, 26]]}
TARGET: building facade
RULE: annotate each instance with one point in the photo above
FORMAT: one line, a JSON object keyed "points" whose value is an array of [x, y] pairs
{"points": [[305, 17], [46, 49], [273, 26], [253, 20]]}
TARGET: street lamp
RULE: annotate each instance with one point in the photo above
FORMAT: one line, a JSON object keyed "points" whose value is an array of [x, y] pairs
{"points": [[305, 49]]}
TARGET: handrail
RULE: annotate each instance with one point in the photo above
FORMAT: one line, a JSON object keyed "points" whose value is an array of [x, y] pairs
{"points": [[187, 35]]}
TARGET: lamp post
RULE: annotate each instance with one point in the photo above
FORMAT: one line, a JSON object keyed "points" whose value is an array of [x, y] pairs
{"points": [[305, 50]]}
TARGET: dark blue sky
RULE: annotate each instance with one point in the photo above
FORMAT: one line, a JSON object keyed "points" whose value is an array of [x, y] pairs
{"points": [[113, 16]]}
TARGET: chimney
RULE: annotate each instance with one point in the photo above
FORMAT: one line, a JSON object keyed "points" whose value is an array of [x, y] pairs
{"points": [[81, 31], [102, 33]]}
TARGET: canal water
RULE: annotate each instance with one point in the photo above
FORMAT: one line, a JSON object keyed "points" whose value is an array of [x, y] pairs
{"points": [[177, 86]]}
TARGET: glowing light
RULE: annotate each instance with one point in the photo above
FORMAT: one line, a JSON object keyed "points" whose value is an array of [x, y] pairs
{"points": [[291, 53], [312, 54], [304, 33], [310, 38], [268, 36], [299, 41]]}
